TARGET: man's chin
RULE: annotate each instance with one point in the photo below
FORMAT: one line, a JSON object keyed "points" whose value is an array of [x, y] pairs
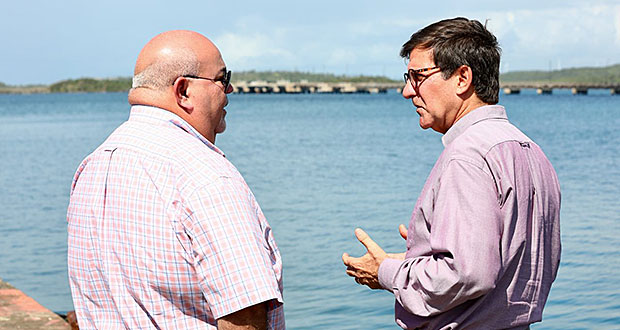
{"points": [[221, 126], [424, 121], [424, 124]]}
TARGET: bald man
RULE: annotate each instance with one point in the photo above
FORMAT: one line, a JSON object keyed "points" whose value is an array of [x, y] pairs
{"points": [[163, 230]]}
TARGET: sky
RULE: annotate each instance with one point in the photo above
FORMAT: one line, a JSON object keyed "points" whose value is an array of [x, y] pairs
{"points": [[43, 42]]}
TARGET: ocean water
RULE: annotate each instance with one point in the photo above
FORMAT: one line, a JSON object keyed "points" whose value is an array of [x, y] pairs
{"points": [[320, 166]]}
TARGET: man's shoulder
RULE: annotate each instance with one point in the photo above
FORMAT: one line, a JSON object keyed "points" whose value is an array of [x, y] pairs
{"points": [[480, 138], [170, 146]]}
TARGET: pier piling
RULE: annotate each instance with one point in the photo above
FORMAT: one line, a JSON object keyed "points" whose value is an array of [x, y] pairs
{"points": [[288, 87]]}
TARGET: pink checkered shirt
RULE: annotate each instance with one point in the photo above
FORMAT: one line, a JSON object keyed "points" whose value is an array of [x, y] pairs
{"points": [[164, 233]]}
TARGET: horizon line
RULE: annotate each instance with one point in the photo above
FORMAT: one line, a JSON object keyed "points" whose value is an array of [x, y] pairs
{"points": [[4, 84]]}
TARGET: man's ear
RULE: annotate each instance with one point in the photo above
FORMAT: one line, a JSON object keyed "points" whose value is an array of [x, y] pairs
{"points": [[181, 89], [465, 79]]}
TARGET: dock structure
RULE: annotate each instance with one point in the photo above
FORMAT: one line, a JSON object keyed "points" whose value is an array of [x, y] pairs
{"points": [[18, 311], [288, 87], [541, 91], [547, 88], [509, 90]]}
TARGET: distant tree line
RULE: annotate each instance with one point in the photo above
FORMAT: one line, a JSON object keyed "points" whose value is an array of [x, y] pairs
{"points": [[91, 85], [296, 76], [609, 74], [27, 89]]}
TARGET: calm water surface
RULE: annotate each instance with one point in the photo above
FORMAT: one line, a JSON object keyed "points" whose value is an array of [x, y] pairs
{"points": [[321, 165]]}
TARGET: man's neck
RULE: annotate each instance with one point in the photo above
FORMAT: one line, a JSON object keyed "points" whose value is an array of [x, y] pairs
{"points": [[468, 106], [154, 98]]}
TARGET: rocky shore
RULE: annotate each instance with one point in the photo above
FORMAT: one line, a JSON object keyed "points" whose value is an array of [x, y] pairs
{"points": [[19, 311]]}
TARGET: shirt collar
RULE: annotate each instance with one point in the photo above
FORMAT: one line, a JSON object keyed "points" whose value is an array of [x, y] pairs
{"points": [[477, 115], [159, 116]]}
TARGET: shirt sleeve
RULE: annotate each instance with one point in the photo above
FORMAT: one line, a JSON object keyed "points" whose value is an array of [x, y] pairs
{"points": [[232, 254], [465, 259]]}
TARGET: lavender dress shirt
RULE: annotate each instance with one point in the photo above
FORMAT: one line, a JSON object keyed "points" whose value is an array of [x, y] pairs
{"points": [[483, 244]]}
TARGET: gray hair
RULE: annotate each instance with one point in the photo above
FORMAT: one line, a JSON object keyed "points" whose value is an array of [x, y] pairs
{"points": [[162, 73]]}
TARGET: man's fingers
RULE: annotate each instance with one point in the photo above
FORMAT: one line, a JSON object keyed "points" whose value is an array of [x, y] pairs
{"points": [[366, 240], [403, 231], [346, 259], [350, 261]]}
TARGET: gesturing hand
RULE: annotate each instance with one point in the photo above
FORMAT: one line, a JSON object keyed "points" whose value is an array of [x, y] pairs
{"points": [[402, 230], [365, 269]]}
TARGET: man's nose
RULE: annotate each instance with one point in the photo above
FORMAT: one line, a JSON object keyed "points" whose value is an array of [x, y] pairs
{"points": [[408, 91], [229, 88]]}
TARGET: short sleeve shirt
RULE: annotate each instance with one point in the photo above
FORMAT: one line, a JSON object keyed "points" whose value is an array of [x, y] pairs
{"points": [[165, 233]]}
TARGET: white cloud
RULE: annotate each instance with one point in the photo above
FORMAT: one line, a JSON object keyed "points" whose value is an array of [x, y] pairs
{"points": [[578, 35], [617, 24], [573, 34], [239, 48], [341, 56]]}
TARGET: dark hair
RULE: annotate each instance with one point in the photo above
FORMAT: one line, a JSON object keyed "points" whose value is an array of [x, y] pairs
{"points": [[460, 41]]}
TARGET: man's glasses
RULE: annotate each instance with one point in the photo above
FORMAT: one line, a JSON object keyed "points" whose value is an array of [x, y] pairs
{"points": [[225, 80], [416, 77]]}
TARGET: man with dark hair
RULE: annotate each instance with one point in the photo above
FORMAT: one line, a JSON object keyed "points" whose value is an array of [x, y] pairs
{"points": [[483, 243]]}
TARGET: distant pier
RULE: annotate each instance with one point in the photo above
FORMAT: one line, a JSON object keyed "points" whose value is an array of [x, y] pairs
{"points": [[547, 88], [288, 87]]}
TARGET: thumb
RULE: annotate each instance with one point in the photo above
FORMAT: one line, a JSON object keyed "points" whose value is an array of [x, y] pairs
{"points": [[366, 240], [403, 231]]}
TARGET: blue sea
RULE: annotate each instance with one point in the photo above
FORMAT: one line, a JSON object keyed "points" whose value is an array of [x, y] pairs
{"points": [[320, 166]]}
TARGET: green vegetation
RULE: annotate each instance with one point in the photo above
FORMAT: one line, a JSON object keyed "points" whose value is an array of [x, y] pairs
{"points": [[123, 84], [295, 76], [91, 85], [603, 75], [27, 89]]}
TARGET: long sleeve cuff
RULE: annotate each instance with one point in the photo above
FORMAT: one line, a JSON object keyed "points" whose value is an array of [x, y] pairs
{"points": [[387, 272]]}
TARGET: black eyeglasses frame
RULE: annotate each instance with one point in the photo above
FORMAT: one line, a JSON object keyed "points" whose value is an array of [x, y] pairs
{"points": [[225, 80]]}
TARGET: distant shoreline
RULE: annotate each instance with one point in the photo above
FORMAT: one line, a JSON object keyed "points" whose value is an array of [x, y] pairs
{"points": [[38, 89], [609, 75]]}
